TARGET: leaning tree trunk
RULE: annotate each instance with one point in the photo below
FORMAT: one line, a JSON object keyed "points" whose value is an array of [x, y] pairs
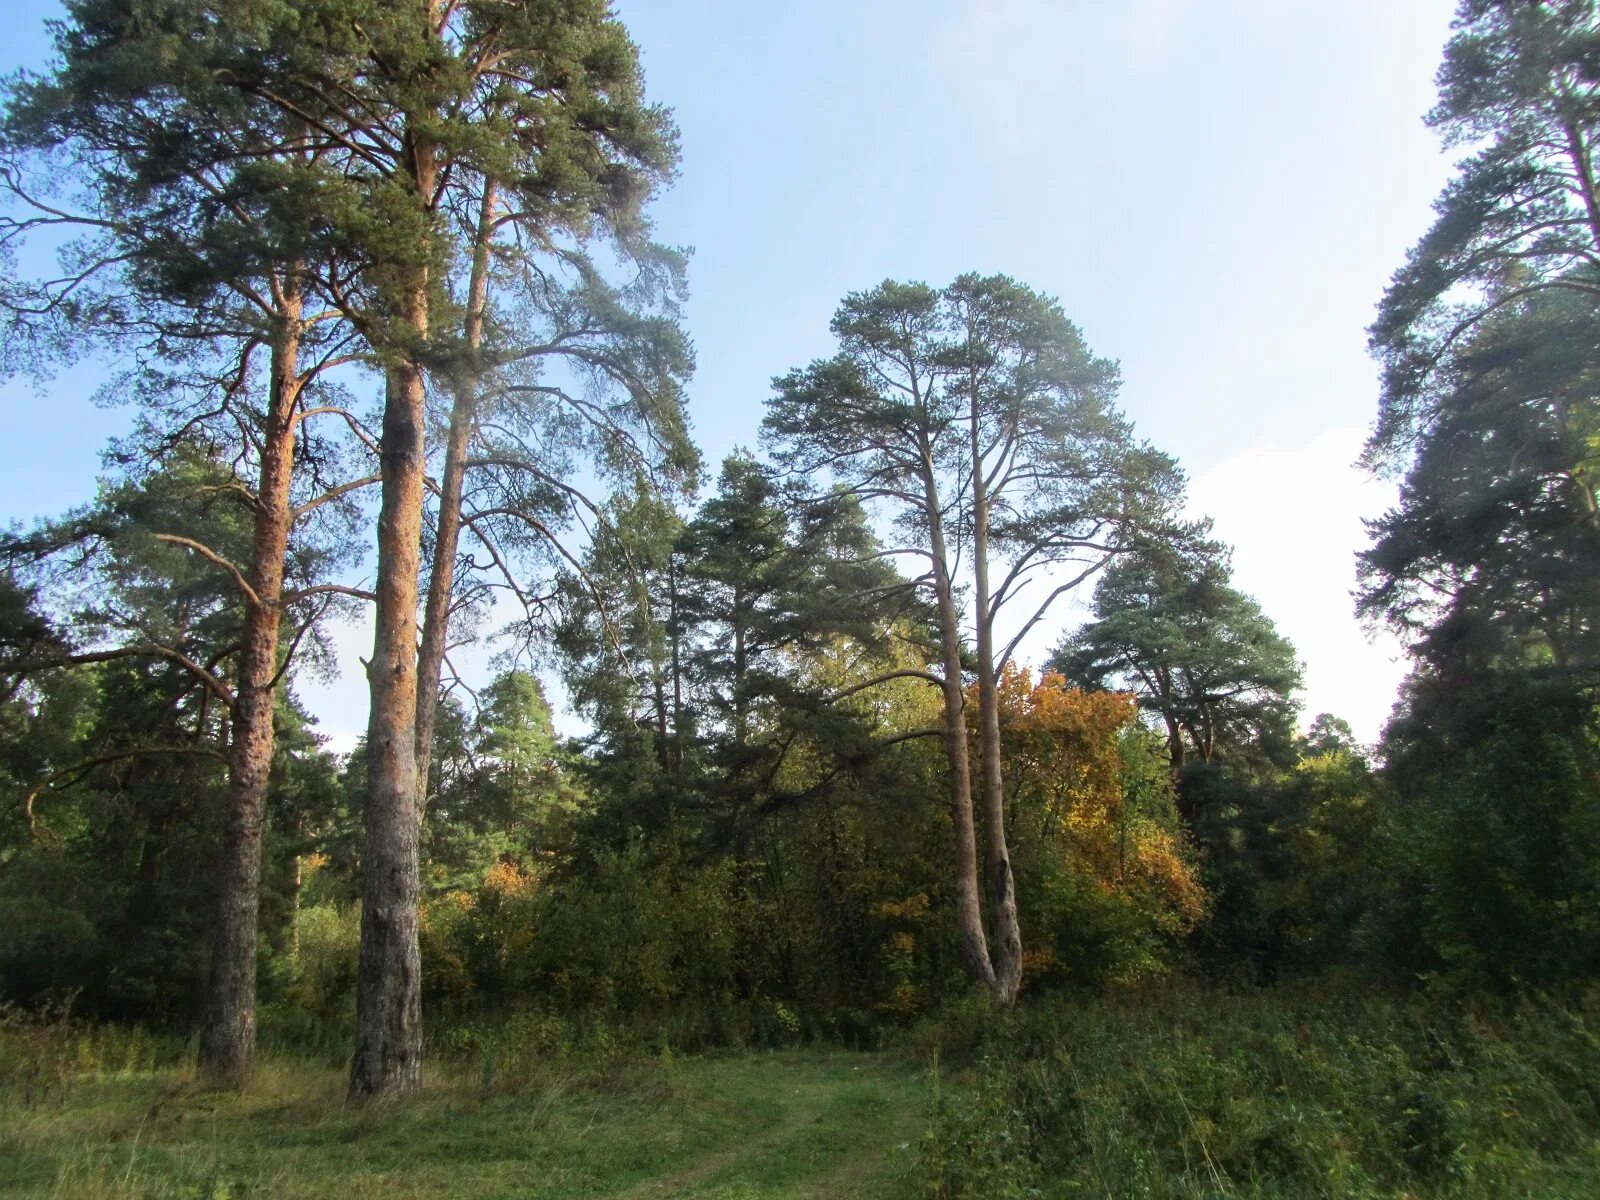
{"points": [[228, 1024], [388, 1054], [447, 539], [1006, 945], [441, 593], [969, 908]]}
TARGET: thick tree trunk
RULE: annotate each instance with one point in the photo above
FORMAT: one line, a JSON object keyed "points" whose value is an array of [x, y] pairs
{"points": [[228, 1024], [388, 1054], [1006, 946], [388, 989], [969, 908], [447, 540]]}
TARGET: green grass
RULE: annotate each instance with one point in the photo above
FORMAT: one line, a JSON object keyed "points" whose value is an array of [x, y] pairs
{"points": [[749, 1127], [1305, 1093]]}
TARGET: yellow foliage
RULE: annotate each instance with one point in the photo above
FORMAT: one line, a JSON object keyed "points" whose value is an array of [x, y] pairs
{"points": [[1037, 961], [902, 1001], [912, 908], [1063, 779], [447, 907], [508, 879]]}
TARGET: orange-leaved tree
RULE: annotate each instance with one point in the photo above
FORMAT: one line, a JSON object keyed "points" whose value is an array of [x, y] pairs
{"points": [[1112, 863]]}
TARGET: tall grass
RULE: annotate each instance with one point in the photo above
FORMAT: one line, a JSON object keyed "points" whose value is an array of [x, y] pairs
{"points": [[98, 1111], [511, 1110], [1283, 1094]]}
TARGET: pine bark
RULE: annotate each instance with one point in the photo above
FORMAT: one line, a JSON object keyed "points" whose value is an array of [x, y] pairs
{"points": [[1006, 947], [447, 538], [388, 1053], [969, 907], [228, 1025], [388, 989]]}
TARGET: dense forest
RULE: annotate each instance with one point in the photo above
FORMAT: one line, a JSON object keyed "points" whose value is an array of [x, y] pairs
{"points": [[380, 287]]}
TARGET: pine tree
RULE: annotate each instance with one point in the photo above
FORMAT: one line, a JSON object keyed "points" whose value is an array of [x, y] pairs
{"points": [[977, 417]]}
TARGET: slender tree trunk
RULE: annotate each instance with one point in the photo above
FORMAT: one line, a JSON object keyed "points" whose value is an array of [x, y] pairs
{"points": [[1006, 947], [388, 1053], [665, 710], [673, 629], [1583, 171], [447, 540], [740, 669], [228, 1022], [969, 908], [441, 592], [297, 879]]}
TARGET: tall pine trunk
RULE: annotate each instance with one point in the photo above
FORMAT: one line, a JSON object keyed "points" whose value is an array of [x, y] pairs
{"points": [[969, 907], [388, 1053], [388, 987], [441, 580], [228, 1023], [1006, 944]]}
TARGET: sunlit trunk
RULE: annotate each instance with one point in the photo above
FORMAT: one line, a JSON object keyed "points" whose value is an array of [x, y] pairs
{"points": [[1006, 949], [447, 539], [388, 1054], [969, 909], [228, 1023]]}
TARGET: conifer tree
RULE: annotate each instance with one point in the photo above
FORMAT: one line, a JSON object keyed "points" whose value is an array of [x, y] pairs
{"points": [[977, 418], [1200, 655], [194, 240]]}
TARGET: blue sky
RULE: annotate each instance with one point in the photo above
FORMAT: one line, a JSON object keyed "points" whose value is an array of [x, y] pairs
{"points": [[1217, 191]]}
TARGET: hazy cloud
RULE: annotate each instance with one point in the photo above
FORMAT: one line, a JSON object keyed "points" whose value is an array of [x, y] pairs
{"points": [[1293, 516]]}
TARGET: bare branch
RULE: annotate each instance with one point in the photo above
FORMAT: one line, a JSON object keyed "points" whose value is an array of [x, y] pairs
{"points": [[328, 589], [908, 673], [334, 493], [211, 556]]}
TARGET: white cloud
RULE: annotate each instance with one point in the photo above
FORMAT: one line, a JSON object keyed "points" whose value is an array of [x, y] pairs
{"points": [[1293, 516], [340, 703]]}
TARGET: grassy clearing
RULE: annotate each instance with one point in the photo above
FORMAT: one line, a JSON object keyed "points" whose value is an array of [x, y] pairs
{"points": [[1295, 1094], [819, 1124]]}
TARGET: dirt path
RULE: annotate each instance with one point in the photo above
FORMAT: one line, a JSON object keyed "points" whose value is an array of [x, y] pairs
{"points": [[686, 1180], [827, 1128], [877, 1167]]}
